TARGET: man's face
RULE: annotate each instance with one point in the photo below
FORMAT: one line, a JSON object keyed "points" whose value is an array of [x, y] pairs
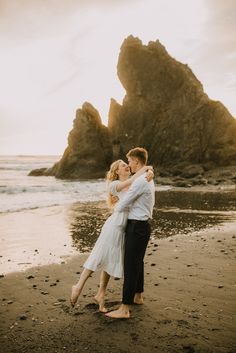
{"points": [[133, 163]]}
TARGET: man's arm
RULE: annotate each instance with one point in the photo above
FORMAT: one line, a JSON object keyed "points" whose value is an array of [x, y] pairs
{"points": [[132, 194]]}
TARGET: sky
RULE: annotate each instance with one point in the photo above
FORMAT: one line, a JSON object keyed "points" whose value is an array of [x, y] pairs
{"points": [[55, 55]]}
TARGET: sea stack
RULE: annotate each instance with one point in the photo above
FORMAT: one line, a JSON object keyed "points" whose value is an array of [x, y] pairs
{"points": [[89, 151], [166, 110]]}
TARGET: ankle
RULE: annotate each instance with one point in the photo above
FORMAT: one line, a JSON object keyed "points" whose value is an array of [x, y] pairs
{"points": [[124, 307]]}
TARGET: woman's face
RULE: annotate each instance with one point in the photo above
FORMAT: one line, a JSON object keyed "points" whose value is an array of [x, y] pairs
{"points": [[123, 169]]}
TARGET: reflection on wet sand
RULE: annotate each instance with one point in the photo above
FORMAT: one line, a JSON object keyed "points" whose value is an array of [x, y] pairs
{"points": [[176, 212]]}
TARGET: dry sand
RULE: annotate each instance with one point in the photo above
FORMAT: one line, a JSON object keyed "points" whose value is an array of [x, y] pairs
{"points": [[190, 303]]}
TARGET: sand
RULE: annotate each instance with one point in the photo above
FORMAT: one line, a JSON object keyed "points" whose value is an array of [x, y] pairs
{"points": [[190, 302]]}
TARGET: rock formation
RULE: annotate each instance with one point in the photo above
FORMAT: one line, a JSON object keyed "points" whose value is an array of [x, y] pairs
{"points": [[166, 110], [89, 151]]}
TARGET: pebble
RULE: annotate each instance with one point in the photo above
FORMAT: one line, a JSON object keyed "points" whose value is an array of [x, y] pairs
{"points": [[23, 317], [30, 276], [10, 302], [44, 293], [220, 286], [1, 276], [153, 264]]}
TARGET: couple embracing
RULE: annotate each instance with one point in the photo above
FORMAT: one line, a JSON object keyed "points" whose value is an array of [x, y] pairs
{"points": [[119, 250]]}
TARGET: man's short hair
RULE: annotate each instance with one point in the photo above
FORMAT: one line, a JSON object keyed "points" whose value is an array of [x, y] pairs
{"points": [[140, 153]]}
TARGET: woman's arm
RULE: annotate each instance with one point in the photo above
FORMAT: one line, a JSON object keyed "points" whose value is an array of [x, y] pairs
{"points": [[124, 184]]}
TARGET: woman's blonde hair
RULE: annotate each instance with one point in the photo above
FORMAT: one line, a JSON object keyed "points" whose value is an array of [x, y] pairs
{"points": [[111, 176]]}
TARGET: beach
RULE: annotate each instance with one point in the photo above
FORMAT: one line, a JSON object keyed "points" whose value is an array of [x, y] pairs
{"points": [[190, 288]]}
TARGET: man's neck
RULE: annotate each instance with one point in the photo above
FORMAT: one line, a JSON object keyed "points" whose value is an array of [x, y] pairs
{"points": [[139, 167]]}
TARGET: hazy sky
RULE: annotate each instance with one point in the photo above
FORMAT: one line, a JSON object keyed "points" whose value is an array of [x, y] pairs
{"points": [[56, 54]]}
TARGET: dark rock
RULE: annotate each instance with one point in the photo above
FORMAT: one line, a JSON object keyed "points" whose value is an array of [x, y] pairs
{"points": [[213, 182], [38, 172], [89, 151], [166, 104], [23, 317], [182, 183], [191, 171]]}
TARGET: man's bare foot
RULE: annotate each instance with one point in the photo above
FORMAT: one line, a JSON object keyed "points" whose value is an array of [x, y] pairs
{"points": [[138, 299], [120, 313], [100, 301], [74, 295]]}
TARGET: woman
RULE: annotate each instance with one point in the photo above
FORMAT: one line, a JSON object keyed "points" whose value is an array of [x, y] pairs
{"points": [[107, 254]]}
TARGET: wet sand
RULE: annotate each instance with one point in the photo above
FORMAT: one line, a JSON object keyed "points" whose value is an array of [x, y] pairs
{"points": [[190, 293]]}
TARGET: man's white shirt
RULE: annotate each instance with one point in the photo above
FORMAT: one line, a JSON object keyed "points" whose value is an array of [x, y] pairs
{"points": [[139, 199]]}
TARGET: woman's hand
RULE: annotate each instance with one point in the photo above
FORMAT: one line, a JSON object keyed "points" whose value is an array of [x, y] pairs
{"points": [[114, 199], [149, 167], [150, 175]]}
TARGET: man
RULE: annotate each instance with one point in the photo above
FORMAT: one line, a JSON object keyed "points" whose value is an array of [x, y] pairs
{"points": [[140, 200]]}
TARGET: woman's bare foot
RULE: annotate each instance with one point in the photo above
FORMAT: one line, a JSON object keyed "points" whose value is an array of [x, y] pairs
{"points": [[75, 292], [121, 313], [138, 299], [100, 301]]}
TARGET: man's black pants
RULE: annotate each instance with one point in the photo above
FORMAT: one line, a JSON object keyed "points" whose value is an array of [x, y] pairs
{"points": [[137, 235]]}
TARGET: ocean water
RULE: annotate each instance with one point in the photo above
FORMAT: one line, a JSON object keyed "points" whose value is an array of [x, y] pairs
{"points": [[20, 192]]}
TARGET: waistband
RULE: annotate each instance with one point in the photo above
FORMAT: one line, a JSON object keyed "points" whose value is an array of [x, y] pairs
{"points": [[138, 221]]}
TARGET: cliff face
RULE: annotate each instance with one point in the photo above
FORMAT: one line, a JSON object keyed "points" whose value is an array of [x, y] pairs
{"points": [[89, 151], [166, 110]]}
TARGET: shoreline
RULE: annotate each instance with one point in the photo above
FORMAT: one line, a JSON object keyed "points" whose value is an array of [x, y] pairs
{"points": [[189, 302]]}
